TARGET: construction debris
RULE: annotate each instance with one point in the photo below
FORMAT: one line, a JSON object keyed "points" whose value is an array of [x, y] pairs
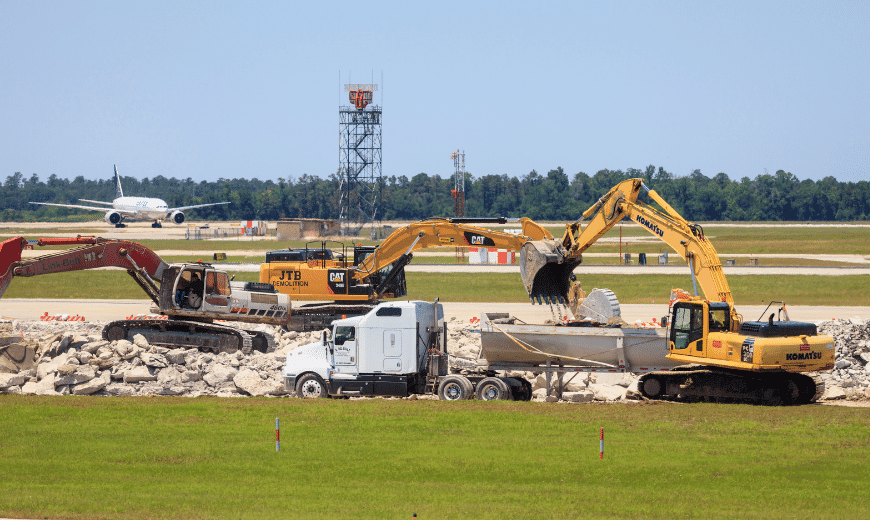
{"points": [[62, 358]]}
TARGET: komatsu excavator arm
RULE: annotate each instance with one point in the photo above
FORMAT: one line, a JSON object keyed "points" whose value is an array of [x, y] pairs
{"points": [[546, 265], [439, 232]]}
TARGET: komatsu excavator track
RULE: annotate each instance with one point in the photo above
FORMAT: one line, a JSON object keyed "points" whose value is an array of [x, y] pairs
{"points": [[696, 383], [209, 337]]}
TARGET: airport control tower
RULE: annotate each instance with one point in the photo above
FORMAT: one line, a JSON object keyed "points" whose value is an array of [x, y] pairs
{"points": [[360, 171]]}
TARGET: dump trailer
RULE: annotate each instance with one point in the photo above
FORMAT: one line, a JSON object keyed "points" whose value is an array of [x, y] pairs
{"points": [[189, 296], [397, 349]]}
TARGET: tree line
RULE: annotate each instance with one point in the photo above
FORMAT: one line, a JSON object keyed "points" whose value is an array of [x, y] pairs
{"points": [[551, 197]]}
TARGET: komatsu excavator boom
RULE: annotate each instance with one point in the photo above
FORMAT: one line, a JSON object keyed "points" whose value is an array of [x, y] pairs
{"points": [[546, 265]]}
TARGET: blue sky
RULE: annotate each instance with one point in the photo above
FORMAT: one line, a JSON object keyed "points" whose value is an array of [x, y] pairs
{"points": [[211, 90]]}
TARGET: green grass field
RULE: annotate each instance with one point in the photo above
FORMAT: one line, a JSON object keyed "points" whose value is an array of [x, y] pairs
{"points": [[498, 287], [177, 458]]}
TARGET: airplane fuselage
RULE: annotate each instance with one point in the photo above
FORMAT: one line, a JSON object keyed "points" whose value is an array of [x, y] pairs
{"points": [[142, 208]]}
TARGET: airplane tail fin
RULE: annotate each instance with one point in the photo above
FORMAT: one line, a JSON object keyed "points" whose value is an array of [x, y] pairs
{"points": [[118, 191]]}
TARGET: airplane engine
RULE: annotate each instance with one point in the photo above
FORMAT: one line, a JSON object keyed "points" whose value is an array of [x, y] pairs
{"points": [[177, 217], [113, 217]]}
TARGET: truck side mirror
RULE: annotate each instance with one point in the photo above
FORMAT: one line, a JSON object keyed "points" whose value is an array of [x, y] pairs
{"points": [[323, 338]]}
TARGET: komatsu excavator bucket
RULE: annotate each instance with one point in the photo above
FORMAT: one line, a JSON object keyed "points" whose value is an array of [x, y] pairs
{"points": [[546, 271]]}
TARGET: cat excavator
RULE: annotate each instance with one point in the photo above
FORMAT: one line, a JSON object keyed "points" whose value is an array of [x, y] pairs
{"points": [[354, 280], [726, 358]]}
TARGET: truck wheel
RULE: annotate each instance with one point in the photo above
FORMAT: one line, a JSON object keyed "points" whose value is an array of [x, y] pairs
{"points": [[310, 386], [493, 389], [454, 388]]}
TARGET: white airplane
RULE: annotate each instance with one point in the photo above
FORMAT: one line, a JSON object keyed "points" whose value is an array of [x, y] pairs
{"points": [[134, 208]]}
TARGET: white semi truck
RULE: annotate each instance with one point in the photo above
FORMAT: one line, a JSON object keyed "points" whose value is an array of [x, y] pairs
{"points": [[397, 349]]}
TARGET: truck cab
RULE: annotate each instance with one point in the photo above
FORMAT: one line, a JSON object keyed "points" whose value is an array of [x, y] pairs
{"points": [[381, 353]]}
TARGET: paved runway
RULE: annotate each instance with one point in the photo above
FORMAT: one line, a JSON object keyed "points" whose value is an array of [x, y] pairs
{"points": [[106, 310]]}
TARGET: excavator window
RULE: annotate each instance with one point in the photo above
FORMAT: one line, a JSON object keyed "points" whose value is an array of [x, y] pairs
{"points": [[688, 325], [217, 283], [681, 327], [719, 319]]}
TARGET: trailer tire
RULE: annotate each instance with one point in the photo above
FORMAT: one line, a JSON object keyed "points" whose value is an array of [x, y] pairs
{"points": [[455, 388], [310, 386], [493, 389]]}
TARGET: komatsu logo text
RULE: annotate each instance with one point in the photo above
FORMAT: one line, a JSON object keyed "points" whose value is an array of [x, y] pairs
{"points": [[803, 356], [649, 225]]}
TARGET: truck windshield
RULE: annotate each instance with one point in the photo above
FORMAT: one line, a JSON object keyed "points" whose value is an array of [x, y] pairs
{"points": [[344, 333]]}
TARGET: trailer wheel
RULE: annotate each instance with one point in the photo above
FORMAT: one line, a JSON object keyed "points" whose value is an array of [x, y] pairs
{"points": [[493, 389], [521, 389], [310, 386], [454, 388]]}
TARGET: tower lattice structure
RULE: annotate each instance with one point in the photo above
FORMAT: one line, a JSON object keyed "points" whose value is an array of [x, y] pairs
{"points": [[458, 190], [360, 164]]}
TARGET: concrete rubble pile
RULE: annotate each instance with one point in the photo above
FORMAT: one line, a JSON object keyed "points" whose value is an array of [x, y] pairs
{"points": [[72, 358], [850, 378], [62, 358]]}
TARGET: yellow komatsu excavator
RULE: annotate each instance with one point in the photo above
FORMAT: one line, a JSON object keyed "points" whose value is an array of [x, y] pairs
{"points": [[353, 280], [728, 358]]}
